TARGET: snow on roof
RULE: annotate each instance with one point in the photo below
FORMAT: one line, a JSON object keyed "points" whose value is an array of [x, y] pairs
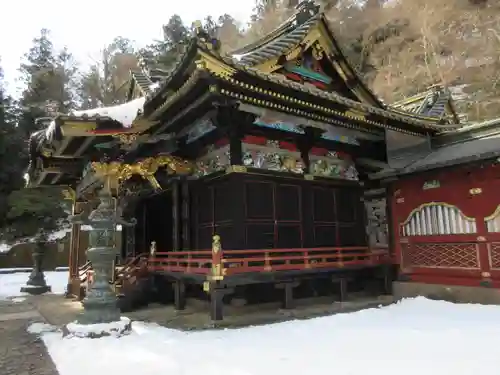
{"points": [[124, 113]]}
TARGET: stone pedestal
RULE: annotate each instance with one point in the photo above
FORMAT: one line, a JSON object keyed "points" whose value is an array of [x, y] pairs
{"points": [[36, 283]]}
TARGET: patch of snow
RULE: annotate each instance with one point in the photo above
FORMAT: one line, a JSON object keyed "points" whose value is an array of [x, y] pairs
{"points": [[10, 284], [18, 299], [124, 113], [87, 228], [59, 234], [52, 236], [416, 336], [40, 328], [4, 247], [154, 86], [12, 270], [115, 329]]}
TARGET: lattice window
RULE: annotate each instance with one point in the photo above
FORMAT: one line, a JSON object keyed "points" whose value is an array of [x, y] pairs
{"points": [[493, 221], [441, 255], [495, 255], [437, 219]]}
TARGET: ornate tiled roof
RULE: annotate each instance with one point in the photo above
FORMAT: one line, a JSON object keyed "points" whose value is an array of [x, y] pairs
{"points": [[290, 36], [142, 80], [287, 36], [436, 102]]}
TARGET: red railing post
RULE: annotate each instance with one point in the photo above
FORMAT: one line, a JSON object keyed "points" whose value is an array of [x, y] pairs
{"points": [[306, 259], [188, 263], [340, 258], [267, 262]]}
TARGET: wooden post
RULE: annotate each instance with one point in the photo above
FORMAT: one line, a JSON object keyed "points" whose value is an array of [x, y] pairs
{"points": [[387, 278], [176, 222], [186, 227], [306, 143], [73, 287], [343, 289], [288, 302], [179, 295], [288, 286], [216, 304]]}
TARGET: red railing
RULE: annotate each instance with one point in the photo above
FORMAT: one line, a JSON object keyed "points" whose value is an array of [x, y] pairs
{"points": [[265, 260]]}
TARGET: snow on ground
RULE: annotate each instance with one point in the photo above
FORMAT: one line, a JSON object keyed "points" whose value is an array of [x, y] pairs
{"points": [[414, 337], [115, 329], [11, 283]]}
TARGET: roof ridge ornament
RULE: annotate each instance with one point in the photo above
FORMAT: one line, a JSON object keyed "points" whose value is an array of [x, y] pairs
{"points": [[204, 39], [305, 10]]}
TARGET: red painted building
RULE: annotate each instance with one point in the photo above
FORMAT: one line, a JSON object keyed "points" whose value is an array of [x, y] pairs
{"points": [[444, 209]]}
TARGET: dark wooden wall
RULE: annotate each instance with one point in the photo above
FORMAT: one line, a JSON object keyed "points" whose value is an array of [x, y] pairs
{"points": [[154, 223], [261, 211]]}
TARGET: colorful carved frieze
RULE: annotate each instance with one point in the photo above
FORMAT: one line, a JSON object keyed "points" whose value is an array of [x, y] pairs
{"points": [[332, 165], [214, 161], [271, 157]]}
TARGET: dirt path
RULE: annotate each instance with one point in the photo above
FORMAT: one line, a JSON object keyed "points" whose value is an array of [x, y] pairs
{"points": [[22, 353]]}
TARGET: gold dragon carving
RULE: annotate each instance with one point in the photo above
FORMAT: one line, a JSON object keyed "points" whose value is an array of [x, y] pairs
{"points": [[115, 173]]}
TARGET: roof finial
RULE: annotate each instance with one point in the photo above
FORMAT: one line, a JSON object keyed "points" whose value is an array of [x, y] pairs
{"points": [[305, 10], [205, 40]]}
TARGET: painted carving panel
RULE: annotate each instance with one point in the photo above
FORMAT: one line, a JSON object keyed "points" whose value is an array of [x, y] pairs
{"points": [[214, 161], [377, 227], [333, 165], [271, 157]]}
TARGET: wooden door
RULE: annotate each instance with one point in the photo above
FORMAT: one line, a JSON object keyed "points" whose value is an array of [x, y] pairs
{"points": [[273, 214]]}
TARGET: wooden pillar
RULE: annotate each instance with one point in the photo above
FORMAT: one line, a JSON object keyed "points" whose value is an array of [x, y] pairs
{"points": [[288, 300], [233, 123], [235, 146], [306, 143], [179, 295], [343, 289], [129, 242], [185, 216], [216, 304], [176, 222], [73, 286]]}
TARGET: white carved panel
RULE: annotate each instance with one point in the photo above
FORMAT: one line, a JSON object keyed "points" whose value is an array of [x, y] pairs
{"points": [[493, 221], [437, 219]]}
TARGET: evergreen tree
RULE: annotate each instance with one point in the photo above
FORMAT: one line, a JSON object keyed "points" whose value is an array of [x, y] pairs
{"points": [[105, 82], [164, 53], [11, 147], [49, 79]]}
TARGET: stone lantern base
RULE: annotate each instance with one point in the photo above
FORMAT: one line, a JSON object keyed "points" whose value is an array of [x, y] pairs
{"points": [[36, 290]]}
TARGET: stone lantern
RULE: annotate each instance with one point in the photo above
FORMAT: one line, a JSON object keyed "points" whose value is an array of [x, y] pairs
{"points": [[36, 283]]}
